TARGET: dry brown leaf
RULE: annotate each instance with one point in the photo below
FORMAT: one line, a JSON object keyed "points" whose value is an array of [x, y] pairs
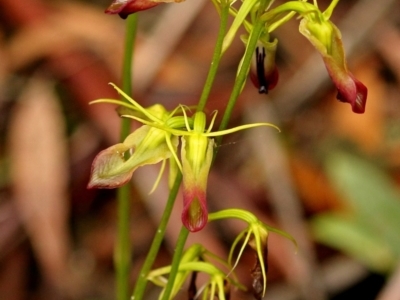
{"points": [[71, 26], [313, 186], [40, 174]]}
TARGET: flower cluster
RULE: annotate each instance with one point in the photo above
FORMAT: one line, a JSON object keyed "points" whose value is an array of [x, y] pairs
{"points": [[316, 27], [197, 259], [194, 260], [256, 237], [157, 141]]}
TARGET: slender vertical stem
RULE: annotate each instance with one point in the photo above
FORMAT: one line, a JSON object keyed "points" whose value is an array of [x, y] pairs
{"points": [[225, 5], [123, 246], [158, 238], [244, 69], [216, 57], [242, 75], [180, 245]]}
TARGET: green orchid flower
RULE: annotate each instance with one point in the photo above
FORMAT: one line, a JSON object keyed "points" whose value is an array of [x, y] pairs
{"points": [[114, 166], [255, 236], [196, 156]]}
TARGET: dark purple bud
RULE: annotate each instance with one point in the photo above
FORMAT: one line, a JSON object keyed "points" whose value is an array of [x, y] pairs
{"points": [[263, 71]]}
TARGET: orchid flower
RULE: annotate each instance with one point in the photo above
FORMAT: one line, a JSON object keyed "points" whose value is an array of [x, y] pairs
{"points": [[255, 236], [326, 38], [114, 166], [196, 156]]}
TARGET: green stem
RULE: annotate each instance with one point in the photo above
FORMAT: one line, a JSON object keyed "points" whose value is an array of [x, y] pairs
{"points": [[158, 238], [123, 247], [241, 77], [180, 245], [216, 57]]}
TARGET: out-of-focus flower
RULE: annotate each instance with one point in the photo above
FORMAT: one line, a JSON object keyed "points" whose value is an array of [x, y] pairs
{"points": [[114, 166], [263, 71], [126, 7], [326, 38]]}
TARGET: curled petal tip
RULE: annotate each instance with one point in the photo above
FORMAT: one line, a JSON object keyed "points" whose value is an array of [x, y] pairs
{"points": [[357, 98]]}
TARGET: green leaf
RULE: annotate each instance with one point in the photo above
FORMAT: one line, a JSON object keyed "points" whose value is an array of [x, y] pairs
{"points": [[369, 231], [354, 239], [372, 194]]}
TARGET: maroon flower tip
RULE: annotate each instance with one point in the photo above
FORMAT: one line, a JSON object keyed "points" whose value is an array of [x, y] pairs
{"points": [[357, 96], [194, 214], [126, 7]]}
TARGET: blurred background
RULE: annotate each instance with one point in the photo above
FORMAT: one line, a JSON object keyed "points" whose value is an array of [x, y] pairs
{"points": [[330, 178]]}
